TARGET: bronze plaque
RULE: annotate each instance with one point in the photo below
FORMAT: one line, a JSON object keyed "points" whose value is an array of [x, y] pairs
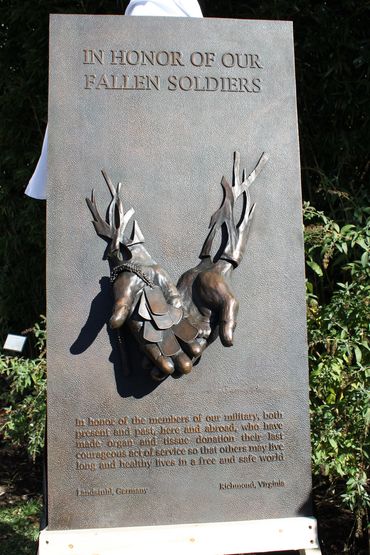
{"points": [[161, 105]]}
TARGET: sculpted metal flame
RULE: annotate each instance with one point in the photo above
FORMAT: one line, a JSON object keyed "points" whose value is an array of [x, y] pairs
{"points": [[174, 324]]}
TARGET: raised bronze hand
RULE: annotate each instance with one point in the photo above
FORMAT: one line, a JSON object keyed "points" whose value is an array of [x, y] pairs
{"points": [[206, 289], [144, 296], [210, 301]]}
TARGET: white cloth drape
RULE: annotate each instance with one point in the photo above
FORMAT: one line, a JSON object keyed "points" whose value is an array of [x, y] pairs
{"points": [[177, 8], [36, 187]]}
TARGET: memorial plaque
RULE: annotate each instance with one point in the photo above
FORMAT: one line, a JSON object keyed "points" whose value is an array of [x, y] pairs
{"points": [[161, 105]]}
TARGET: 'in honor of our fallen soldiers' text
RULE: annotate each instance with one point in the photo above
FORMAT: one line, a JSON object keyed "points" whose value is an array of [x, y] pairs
{"points": [[209, 71]]}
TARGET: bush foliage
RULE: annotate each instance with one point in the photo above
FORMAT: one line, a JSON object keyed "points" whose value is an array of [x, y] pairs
{"points": [[25, 397], [339, 353], [332, 65]]}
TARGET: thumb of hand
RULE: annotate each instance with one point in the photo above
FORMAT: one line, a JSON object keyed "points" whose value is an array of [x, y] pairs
{"points": [[228, 315], [125, 289]]}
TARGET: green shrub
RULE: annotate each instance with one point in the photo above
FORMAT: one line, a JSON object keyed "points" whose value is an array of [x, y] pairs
{"points": [[339, 353], [24, 397], [19, 526]]}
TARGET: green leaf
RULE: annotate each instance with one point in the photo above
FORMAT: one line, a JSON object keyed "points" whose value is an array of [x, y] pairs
{"points": [[365, 259], [360, 241], [315, 267], [367, 417], [346, 228], [333, 443], [358, 354]]}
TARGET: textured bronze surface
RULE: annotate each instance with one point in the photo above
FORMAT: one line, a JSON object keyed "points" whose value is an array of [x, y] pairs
{"points": [[230, 441]]}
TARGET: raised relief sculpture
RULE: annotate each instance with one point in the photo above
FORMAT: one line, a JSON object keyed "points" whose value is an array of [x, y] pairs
{"points": [[174, 324]]}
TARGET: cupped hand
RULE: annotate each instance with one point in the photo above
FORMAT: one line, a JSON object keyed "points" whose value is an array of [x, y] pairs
{"points": [[209, 301], [147, 300]]}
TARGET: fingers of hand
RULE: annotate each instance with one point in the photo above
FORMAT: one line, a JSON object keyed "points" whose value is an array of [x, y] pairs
{"points": [[164, 365], [228, 315], [195, 348], [183, 363], [204, 328]]}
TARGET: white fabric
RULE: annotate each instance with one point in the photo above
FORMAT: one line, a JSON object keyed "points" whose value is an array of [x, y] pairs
{"points": [[177, 8], [36, 187]]}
